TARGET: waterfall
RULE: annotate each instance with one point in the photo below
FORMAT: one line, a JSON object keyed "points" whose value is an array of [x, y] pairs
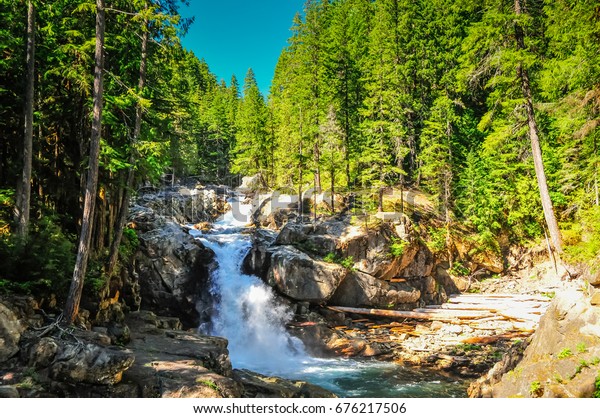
{"points": [[246, 310]]}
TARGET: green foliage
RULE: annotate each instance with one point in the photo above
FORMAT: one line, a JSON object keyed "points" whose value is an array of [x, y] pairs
{"points": [[549, 295], [535, 389], [459, 270], [583, 237], [597, 386], [468, 347], [95, 280], [330, 258], [42, 264], [346, 262], [581, 348], [209, 383], [397, 247], [565, 353], [129, 243], [582, 365], [437, 239]]}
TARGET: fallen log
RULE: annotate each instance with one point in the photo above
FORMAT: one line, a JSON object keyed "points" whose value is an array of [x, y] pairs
{"points": [[495, 338], [456, 313], [499, 296], [485, 304], [443, 315]]}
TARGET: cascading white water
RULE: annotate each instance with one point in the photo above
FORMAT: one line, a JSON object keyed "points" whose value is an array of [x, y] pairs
{"points": [[246, 311]]}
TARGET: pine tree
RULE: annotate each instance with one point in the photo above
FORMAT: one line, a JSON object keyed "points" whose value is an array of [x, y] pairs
{"points": [[251, 153], [333, 143]]}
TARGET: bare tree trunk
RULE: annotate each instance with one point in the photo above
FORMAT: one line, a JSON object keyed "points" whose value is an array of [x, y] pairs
{"points": [[596, 190], [124, 207], [23, 202], [74, 297], [300, 172], [535, 142], [317, 153], [332, 187]]}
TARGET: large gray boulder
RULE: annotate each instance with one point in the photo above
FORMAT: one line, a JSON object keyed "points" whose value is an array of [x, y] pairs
{"points": [[171, 269], [90, 363], [362, 290], [561, 360], [259, 386], [296, 275], [371, 251], [176, 364], [76, 359], [10, 333], [320, 239], [273, 210], [258, 259]]}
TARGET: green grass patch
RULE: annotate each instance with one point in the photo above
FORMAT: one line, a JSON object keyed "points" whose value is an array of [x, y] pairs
{"points": [[565, 353], [535, 389], [346, 262], [397, 247]]}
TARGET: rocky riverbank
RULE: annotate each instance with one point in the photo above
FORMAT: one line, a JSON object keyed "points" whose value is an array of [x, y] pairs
{"points": [[357, 289]]}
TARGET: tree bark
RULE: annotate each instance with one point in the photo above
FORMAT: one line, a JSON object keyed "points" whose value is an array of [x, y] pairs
{"points": [[74, 298], [124, 207], [535, 141], [23, 202]]}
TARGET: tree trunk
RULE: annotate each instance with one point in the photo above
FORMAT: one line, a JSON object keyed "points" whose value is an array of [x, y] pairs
{"points": [[317, 154], [535, 142], [74, 297], [124, 207], [23, 202], [300, 171], [332, 187]]}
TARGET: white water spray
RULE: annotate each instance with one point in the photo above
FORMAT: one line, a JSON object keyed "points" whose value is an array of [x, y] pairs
{"points": [[246, 311]]}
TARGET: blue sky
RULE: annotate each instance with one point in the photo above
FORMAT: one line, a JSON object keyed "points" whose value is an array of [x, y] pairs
{"points": [[234, 35]]}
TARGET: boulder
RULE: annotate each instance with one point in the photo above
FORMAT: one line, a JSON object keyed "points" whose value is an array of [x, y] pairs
{"points": [[76, 360], [370, 250], [362, 290], [258, 259], [10, 333], [273, 210], [322, 341], [259, 386], [296, 275], [90, 363], [319, 239], [9, 391], [251, 183], [175, 364], [171, 268], [417, 261], [561, 360]]}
